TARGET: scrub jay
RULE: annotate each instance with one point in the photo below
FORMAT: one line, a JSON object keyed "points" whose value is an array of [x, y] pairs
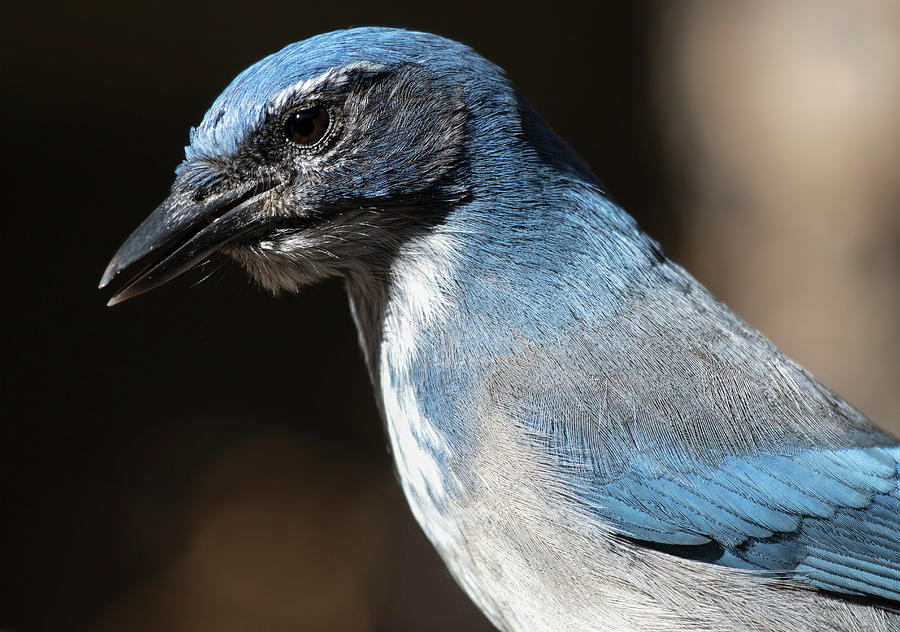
{"points": [[588, 437]]}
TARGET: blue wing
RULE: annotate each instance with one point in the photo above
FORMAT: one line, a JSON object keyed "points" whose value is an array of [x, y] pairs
{"points": [[827, 517]]}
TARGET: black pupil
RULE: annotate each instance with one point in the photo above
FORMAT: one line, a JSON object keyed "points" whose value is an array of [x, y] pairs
{"points": [[306, 127]]}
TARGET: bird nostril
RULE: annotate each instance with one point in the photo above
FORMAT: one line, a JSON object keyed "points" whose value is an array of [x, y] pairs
{"points": [[237, 201]]}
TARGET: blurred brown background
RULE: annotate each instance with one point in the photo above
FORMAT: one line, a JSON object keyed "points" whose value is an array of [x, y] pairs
{"points": [[206, 458]]}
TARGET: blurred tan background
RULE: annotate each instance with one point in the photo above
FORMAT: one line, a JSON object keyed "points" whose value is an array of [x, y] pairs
{"points": [[783, 124], [207, 458]]}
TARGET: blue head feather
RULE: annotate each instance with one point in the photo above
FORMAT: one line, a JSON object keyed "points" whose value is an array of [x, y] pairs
{"points": [[265, 87]]}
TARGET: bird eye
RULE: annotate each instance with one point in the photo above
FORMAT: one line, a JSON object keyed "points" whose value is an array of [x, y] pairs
{"points": [[307, 127]]}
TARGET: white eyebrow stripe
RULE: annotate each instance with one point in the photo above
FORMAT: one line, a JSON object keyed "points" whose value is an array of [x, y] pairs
{"points": [[338, 76], [217, 137]]}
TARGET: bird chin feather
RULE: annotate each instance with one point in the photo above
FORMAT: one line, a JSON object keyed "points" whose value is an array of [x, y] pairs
{"points": [[355, 244], [278, 268]]}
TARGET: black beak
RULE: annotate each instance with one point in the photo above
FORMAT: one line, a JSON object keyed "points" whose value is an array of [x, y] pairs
{"points": [[182, 232]]}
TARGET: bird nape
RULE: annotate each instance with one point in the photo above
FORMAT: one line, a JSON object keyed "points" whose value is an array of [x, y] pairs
{"points": [[590, 440]]}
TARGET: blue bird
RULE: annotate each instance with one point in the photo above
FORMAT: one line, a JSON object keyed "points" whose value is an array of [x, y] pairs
{"points": [[589, 438]]}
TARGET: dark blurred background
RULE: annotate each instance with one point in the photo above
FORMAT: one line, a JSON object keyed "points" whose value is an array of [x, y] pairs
{"points": [[208, 458]]}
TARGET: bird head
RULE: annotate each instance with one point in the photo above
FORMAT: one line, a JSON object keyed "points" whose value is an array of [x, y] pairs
{"points": [[323, 157]]}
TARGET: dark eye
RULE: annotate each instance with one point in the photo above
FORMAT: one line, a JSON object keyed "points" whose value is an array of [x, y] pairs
{"points": [[307, 127]]}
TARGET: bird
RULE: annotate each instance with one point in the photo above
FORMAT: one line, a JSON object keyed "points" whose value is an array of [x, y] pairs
{"points": [[587, 436]]}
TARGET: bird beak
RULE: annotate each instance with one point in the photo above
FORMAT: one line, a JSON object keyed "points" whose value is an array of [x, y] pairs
{"points": [[181, 233]]}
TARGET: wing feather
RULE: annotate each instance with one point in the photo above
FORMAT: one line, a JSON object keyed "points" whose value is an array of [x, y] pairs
{"points": [[826, 517]]}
